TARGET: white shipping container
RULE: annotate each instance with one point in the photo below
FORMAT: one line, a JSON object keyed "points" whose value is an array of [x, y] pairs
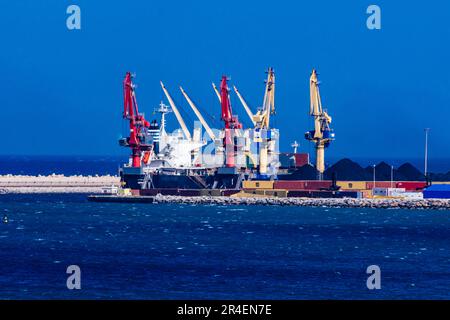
{"points": [[387, 192]]}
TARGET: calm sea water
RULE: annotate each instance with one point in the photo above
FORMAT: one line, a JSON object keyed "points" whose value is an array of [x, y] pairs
{"points": [[67, 165], [145, 251]]}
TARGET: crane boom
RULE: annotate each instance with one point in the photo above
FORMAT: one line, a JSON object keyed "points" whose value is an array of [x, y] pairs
{"points": [[245, 105], [269, 96], [199, 115], [177, 112], [322, 134], [263, 116], [217, 92]]}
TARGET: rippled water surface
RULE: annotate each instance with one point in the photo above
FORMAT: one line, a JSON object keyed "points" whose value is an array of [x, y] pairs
{"points": [[145, 251]]}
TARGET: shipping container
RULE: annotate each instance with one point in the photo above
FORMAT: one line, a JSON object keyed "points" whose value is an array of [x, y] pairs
{"points": [[258, 184], [380, 184], [276, 193], [211, 192], [289, 185], [317, 185], [299, 194], [352, 185], [407, 195], [411, 185], [387, 192], [302, 184], [366, 193], [437, 191], [324, 194]]}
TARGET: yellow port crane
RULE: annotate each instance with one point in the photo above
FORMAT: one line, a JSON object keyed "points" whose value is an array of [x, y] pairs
{"points": [[322, 134], [261, 121]]}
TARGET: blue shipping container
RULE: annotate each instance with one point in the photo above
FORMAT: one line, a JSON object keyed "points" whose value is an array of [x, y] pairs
{"points": [[437, 191]]}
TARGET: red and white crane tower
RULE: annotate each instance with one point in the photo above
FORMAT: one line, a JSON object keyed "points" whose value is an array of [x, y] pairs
{"points": [[138, 125], [231, 123]]}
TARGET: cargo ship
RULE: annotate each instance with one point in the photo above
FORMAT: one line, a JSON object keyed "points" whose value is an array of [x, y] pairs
{"points": [[205, 158]]}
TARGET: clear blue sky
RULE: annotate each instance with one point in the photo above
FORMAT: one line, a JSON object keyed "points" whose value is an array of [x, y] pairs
{"points": [[61, 90]]}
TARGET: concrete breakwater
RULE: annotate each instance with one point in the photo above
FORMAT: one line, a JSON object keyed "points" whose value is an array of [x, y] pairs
{"points": [[56, 183], [434, 204]]}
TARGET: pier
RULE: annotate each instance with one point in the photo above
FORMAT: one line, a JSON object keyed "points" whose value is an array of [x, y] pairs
{"points": [[434, 204]]}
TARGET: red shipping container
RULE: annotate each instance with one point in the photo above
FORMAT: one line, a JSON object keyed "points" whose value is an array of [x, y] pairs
{"points": [[289, 185], [302, 185], [317, 185], [380, 184], [411, 185]]}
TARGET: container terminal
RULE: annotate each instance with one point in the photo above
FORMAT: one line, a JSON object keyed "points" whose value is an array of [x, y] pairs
{"points": [[235, 161]]}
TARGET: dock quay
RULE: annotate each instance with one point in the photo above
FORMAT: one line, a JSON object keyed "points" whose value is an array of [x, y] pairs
{"points": [[435, 204]]}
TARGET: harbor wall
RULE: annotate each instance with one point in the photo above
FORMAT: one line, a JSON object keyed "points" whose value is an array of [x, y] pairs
{"points": [[56, 184]]}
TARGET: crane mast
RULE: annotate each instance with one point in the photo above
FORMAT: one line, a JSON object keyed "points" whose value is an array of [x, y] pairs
{"points": [[217, 92], [322, 135], [262, 117], [186, 132], [231, 123], [245, 105], [137, 123], [261, 121], [199, 115]]}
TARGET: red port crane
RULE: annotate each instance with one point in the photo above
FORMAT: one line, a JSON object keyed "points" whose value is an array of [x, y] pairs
{"points": [[231, 123], [138, 124]]}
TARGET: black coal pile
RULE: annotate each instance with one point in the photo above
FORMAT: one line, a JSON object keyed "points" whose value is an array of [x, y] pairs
{"points": [[383, 172], [440, 176], [407, 172], [347, 170]]}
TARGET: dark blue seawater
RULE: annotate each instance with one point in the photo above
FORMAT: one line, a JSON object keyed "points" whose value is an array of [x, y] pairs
{"points": [[139, 251], [66, 165]]}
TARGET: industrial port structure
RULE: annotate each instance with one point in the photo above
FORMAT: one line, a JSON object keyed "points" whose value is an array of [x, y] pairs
{"points": [[233, 160]]}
